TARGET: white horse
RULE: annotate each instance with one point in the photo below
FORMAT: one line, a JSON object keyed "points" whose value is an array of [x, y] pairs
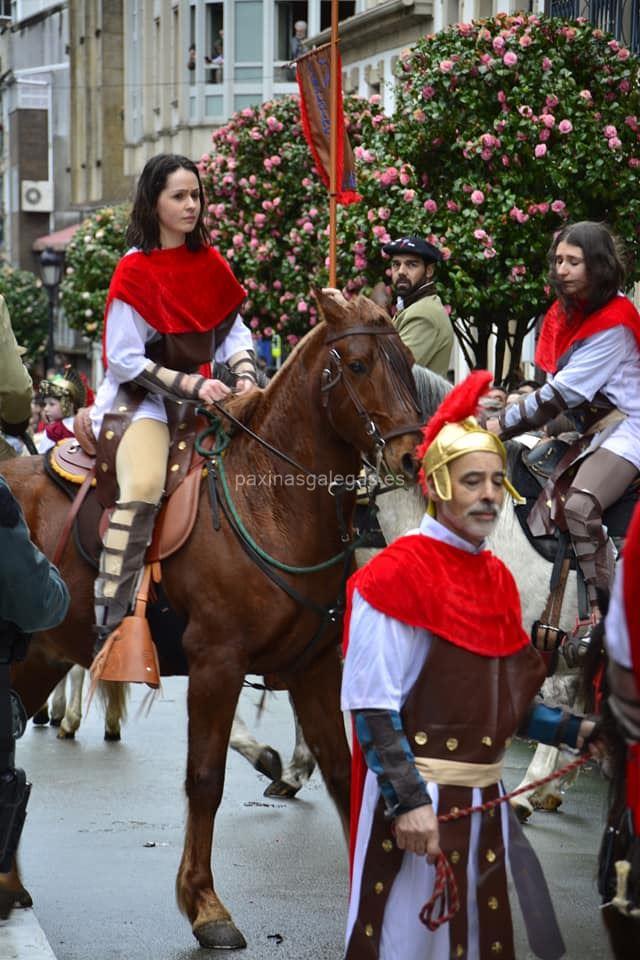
{"points": [[66, 711]]}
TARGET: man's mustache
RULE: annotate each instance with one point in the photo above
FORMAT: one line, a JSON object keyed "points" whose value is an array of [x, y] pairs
{"points": [[485, 508]]}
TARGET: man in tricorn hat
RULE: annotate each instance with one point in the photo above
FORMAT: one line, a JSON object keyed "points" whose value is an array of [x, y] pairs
{"points": [[420, 317], [439, 675]]}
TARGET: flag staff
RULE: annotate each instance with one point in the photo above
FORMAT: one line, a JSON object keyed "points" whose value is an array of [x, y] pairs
{"points": [[333, 146]]}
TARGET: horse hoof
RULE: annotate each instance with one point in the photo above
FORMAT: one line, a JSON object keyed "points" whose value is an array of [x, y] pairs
{"points": [[13, 898], [522, 811], [269, 763], [64, 734], [219, 935], [281, 789], [550, 803], [40, 718], [111, 737], [55, 721]]}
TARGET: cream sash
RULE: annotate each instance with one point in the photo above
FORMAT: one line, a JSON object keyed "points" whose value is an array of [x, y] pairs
{"points": [[455, 773]]}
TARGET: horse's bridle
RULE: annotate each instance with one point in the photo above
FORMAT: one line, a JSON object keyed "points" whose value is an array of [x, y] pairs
{"points": [[333, 374]]}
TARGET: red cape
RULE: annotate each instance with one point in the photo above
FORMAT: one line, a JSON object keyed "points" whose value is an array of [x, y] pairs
{"points": [[631, 574], [176, 290], [559, 333], [469, 599]]}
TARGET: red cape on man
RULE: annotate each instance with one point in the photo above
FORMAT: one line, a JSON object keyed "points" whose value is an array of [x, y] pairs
{"points": [[468, 599], [559, 332], [176, 290]]}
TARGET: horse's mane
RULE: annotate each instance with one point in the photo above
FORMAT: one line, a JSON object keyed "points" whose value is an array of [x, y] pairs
{"points": [[431, 389]]}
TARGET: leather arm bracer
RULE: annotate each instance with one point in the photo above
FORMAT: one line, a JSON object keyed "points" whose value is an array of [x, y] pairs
{"points": [[546, 408], [172, 384], [388, 754]]}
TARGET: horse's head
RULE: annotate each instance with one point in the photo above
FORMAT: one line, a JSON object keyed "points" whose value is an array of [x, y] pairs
{"points": [[367, 385]]}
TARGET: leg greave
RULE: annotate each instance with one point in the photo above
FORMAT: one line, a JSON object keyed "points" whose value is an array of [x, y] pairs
{"points": [[594, 551], [122, 559]]}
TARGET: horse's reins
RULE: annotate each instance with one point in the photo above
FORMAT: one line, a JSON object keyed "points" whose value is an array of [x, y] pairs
{"points": [[215, 468], [445, 890]]}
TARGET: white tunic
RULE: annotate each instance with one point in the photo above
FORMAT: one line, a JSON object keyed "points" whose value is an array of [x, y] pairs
{"points": [[43, 442], [127, 335], [609, 362], [383, 662]]}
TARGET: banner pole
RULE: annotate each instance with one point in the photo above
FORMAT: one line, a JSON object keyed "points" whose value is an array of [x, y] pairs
{"points": [[333, 146]]}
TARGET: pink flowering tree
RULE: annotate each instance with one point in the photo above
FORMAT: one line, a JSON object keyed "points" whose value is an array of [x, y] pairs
{"points": [[268, 212], [510, 126]]}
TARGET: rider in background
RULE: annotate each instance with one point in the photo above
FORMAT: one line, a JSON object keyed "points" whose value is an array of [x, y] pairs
{"points": [[589, 346], [172, 305]]}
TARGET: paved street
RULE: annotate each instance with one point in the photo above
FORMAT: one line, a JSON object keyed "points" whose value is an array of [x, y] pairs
{"points": [[104, 836]]}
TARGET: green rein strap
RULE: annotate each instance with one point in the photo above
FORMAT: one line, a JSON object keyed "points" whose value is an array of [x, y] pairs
{"points": [[221, 442]]}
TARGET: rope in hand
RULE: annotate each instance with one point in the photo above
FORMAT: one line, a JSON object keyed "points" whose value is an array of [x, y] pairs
{"points": [[445, 899]]}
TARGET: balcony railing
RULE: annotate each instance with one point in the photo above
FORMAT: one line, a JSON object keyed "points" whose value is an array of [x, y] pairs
{"points": [[619, 17]]}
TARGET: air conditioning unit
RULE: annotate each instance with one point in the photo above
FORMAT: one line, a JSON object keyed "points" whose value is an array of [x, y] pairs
{"points": [[37, 196]]}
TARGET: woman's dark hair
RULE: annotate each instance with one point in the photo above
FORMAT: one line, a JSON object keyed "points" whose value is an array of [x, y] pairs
{"points": [[143, 230], [604, 257]]}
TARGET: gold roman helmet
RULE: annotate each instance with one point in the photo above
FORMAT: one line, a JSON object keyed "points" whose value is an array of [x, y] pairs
{"points": [[67, 387], [454, 431]]}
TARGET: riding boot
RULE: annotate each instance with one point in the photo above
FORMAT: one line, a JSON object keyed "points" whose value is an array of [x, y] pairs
{"points": [[121, 564], [596, 556]]}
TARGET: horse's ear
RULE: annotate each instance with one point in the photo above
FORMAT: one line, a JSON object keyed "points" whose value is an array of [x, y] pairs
{"points": [[332, 304]]}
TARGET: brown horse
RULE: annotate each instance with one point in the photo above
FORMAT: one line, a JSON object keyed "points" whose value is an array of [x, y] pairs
{"points": [[345, 391]]}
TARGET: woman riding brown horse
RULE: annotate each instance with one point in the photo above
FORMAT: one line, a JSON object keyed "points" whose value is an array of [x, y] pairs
{"points": [[346, 390]]}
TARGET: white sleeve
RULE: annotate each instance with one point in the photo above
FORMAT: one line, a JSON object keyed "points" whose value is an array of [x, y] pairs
{"points": [[239, 338], [592, 363], [127, 334], [381, 661]]}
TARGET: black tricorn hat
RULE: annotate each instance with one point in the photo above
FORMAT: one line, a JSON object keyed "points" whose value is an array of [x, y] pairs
{"points": [[416, 245]]}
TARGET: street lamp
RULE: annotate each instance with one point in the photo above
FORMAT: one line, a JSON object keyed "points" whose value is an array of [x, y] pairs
{"points": [[51, 270]]}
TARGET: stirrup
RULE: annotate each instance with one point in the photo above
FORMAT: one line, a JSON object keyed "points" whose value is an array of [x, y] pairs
{"points": [[575, 647]]}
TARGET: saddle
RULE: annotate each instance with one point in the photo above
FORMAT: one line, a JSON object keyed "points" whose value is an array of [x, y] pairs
{"points": [[70, 467], [552, 463]]}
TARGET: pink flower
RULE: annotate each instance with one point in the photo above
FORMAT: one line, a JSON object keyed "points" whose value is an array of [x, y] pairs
{"points": [[486, 154], [408, 195], [480, 234], [525, 40], [624, 86], [446, 66], [384, 213], [431, 206], [614, 143], [405, 178], [548, 120], [540, 150], [552, 101], [502, 97], [510, 59], [498, 44], [477, 197], [504, 159], [634, 162], [623, 53], [428, 92], [546, 64], [453, 206], [259, 219], [307, 226], [565, 126], [525, 110], [586, 95], [238, 240], [544, 135], [610, 131], [302, 307], [558, 206], [543, 208], [488, 253]]}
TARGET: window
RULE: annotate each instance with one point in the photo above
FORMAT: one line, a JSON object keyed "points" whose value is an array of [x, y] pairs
{"points": [[345, 9]]}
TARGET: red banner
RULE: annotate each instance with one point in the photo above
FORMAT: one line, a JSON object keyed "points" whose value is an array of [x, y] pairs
{"points": [[313, 71]]}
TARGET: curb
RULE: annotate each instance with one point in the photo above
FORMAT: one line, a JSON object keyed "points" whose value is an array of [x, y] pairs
{"points": [[22, 938]]}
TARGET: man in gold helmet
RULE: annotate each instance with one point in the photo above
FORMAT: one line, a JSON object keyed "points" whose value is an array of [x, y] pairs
{"points": [[439, 675]]}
